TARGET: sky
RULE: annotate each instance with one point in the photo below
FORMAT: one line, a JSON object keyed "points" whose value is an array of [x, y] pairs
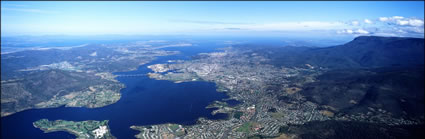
{"points": [[304, 18]]}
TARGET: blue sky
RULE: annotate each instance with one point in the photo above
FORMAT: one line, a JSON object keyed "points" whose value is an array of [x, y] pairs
{"points": [[213, 18]]}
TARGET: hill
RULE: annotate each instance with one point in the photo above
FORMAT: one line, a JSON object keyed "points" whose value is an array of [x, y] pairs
{"points": [[362, 52]]}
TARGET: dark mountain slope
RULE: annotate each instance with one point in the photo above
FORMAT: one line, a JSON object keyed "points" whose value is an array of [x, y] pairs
{"points": [[362, 52], [399, 91], [353, 130]]}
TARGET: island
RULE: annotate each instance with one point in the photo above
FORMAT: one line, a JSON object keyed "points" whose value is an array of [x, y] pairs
{"points": [[82, 130]]}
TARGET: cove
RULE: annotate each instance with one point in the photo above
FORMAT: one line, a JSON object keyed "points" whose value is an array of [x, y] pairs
{"points": [[144, 101]]}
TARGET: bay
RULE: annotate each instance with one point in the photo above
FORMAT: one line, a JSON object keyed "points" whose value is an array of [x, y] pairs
{"points": [[144, 101]]}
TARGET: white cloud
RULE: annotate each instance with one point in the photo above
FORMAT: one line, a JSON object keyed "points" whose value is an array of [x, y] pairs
{"points": [[401, 31], [394, 18], [397, 17], [346, 31], [286, 26], [410, 29], [27, 10], [410, 22], [368, 21], [390, 26], [16, 5], [418, 30], [361, 31], [402, 22], [351, 31], [355, 23], [416, 22], [383, 19]]}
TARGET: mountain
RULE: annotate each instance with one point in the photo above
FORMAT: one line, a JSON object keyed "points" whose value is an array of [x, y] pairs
{"points": [[399, 91], [362, 52], [365, 75], [332, 129]]}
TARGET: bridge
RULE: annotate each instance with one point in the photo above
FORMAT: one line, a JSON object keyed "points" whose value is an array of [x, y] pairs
{"points": [[131, 75]]}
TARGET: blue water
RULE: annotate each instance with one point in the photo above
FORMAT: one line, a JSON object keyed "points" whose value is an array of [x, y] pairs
{"points": [[144, 101], [232, 102]]}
